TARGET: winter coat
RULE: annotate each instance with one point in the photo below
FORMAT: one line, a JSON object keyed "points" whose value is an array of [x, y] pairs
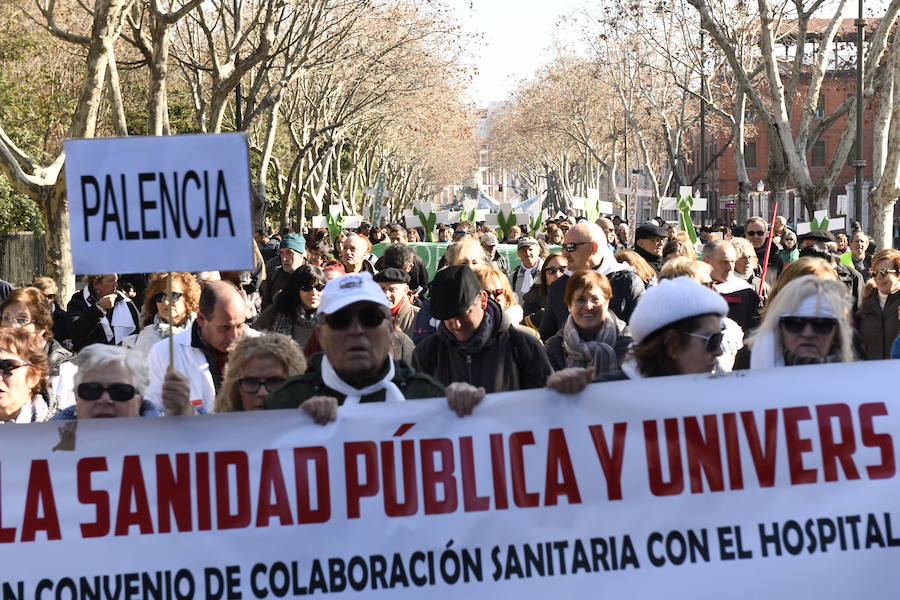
{"points": [[743, 302], [878, 328], [147, 409], [499, 357], [85, 318], [627, 288], [154, 332], [298, 326], [560, 358], [297, 390], [406, 317], [653, 260]]}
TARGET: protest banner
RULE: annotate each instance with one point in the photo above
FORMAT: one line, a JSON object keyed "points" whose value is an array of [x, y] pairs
{"points": [[431, 253], [156, 204], [680, 487]]}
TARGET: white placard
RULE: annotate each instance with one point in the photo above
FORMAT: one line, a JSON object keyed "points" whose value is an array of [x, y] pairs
{"points": [[448, 217], [669, 203], [605, 208], [155, 204], [685, 190], [413, 221], [578, 202], [319, 222], [352, 222], [334, 210]]}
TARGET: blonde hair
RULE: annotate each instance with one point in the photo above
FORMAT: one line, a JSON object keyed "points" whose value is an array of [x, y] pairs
{"points": [[807, 265], [745, 249], [833, 293], [485, 274], [465, 248], [269, 345], [685, 267]]}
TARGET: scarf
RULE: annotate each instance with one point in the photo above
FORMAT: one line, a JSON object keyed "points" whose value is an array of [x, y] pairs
{"points": [[396, 309], [163, 328], [608, 264], [482, 335], [285, 324], [354, 395], [598, 352], [117, 323]]}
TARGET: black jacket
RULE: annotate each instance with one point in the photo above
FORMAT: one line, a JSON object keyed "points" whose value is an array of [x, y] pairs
{"points": [[500, 359], [652, 259], [878, 328], [84, 320], [627, 288], [776, 264]]}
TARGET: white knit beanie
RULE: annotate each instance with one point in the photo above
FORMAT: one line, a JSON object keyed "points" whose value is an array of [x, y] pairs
{"points": [[671, 301]]}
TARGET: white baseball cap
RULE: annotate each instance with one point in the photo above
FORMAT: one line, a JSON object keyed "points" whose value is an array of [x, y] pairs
{"points": [[345, 290]]}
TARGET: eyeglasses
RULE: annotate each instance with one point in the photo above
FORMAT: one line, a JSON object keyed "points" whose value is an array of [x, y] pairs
{"points": [[118, 392], [797, 325], [17, 322], [161, 297], [881, 272], [495, 294], [50, 297], [308, 288], [459, 233], [573, 246], [556, 270], [251, 385], [7, 365], [712, 342], [369, 317], [755, 233]]}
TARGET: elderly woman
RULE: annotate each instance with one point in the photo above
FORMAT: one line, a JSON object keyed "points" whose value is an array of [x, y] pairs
{"points": [[256, 366], [807, 322], [24, 396], [789, 251], [879, 315], [28, 309], [746, 265], [99, 314], [496, 284], [155, 314], [294, 311], [677, 329], [110, 382], [592, 335]]}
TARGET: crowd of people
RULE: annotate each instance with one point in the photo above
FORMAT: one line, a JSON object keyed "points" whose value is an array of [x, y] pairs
{"points": [[319, 323]]}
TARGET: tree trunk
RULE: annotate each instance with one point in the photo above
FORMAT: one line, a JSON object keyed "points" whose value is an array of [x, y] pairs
{"points": [[883, 198], [57, 243]]}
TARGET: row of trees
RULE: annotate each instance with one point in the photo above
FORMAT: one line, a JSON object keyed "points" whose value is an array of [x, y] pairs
{"points": [[330, 92], [634, 93]]}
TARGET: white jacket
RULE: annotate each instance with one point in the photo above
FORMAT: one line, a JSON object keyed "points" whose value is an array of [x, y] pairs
{"points": [[189, 361]]}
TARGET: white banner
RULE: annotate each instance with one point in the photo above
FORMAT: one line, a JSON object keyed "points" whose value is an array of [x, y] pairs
{"points": [[148, 204], [778, 484]]}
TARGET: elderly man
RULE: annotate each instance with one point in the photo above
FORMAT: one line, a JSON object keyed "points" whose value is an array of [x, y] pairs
{"points": [[649, 241], [353, 255], [757, 233], [489, 243], [200, 352], [610, 230], [529, 268], [585, 247], [418, 271], [291, 255], [743, 301], [100, 314], [355, 366], [395, 284], [862, 260], [475, 341]]}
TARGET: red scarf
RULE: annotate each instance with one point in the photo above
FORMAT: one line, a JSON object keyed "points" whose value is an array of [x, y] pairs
{"points": [[397, 308]]}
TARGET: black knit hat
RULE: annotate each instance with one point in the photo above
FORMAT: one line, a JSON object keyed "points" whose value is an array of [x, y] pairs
{"points": [[453, 291], [391, 275]]}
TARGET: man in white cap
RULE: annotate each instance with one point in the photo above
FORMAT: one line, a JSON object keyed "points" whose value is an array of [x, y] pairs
{"points": [[355, 330], [524, 275], [489, 243]]}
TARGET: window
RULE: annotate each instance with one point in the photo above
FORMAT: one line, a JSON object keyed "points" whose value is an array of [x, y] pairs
{"points": [[820, 107], [817, 158], [750, 155], [485, 178]]}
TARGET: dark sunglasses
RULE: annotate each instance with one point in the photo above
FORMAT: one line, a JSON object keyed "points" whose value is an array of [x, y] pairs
{"points": [[755, 233], [797, 325], [573, 246], [555, 270], [251, 385], [50, 297], [495, 294], [712, 342], [161, 297], [881, 272], [459, 233], [310, 287], [118, 392], [7, 365], [369, 317]]}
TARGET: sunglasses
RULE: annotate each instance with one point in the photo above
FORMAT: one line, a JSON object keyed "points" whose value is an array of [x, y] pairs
{"points": [[161, 297], [797, 325], [118, 392], [251, 385], [712, 342], [369, 317], [881, 272], [50, 297], [495, 294], [310, 287], [7, 365], [556, 270], [755, 233], [573, 246]]}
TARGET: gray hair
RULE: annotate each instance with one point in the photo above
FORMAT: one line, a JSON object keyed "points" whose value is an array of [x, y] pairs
{"points": [[790, 235], [714, 246], [97, 357]]}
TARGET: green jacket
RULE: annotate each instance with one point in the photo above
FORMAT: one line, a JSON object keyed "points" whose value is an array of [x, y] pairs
{"points": [[297, 389]]}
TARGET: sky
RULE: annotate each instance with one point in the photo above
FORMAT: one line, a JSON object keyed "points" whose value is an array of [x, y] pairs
{"points": [[517, 36]]}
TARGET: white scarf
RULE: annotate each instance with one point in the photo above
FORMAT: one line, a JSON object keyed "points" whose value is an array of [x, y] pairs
{"points": [[608, 264], [117, 323], [354, 395]]}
